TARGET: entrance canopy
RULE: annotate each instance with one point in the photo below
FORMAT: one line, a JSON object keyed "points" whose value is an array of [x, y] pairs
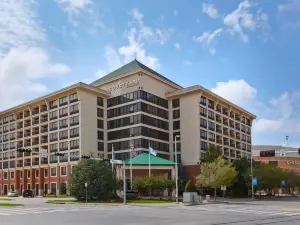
{"points": [[143, 160]]}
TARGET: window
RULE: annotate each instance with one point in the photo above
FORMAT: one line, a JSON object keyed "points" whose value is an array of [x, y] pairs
{"points": [[74, 132], [53, 136], [63, 100], [74, 144], [63, 112], [74, 120], [211, 136], [100, 146], [53, 104], [176, 125], [211, 104], [100, 124], [211, 115], [203, 100], [211, 125], [53, 126], [74, 109], [28, 186], [46, 172], [63, 135], [100, 135], [203, 145], [176, 114], [63, 123], [73, 97], [12, 187], [36, 173], [63, 146], [12, 175], [53, 188], [202, 111], [99, 101], [203, 134], [53, 172], [53, 115], [175, 103], [100, 112], [63, 171], [203, 123], [5, 176], [53, 147]]}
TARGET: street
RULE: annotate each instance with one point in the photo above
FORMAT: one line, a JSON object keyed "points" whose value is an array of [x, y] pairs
{"points": [[270, 212]]}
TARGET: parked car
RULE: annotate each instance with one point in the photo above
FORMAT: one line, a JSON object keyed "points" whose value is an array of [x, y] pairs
{"points": [[28, 193], [12, 194]]}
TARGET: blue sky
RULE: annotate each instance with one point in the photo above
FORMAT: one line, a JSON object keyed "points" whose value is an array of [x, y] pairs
{"points": [[245, 51]]}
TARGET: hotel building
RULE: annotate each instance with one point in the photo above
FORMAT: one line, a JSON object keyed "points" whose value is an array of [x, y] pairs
{"points": [[132, 104]]}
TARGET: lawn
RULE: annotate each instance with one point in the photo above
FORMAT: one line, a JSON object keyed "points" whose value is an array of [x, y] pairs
{"points": [[142, 201], [9, 204]]}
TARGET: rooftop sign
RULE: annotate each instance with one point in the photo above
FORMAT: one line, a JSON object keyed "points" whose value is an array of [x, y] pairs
{"points": [[126, 84]]}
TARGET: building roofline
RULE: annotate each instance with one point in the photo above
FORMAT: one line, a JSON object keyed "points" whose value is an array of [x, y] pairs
{"points": [[79, 85], [136, 71], [199, 88]]}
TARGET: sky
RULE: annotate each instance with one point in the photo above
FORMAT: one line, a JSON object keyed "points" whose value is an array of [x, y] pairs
{"points": [[246, 51]]}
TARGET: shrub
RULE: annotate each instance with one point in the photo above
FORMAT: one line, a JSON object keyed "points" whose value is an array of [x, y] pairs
{"points": [[190, 187]]}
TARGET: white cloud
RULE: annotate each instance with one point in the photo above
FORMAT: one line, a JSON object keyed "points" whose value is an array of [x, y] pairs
{"points": [[207, 39], [175, 12], [23, 64], [136, 50], [177, 45], [100, 73], [236, 91], [147, 33], [210, 10], [74, 6], [289, 6], [112, 58]]}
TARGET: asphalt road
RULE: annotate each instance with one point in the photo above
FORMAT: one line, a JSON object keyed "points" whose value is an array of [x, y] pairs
{"points": [[218, 214]]}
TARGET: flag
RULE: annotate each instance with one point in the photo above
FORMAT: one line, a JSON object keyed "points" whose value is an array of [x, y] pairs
{"points": [[133, 150], [152, 152]]}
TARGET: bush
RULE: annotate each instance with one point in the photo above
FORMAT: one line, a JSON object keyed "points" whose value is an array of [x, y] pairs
{"points": [[190, 187], [131, 196]]}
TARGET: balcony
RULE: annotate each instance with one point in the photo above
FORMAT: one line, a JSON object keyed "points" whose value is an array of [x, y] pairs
{"points": [[35, 132], [225, 131], [26, 144], [54, 150], [232, 115], [20, 116], [35, 163], [73, 100], [19, 155], [27, 124], [53, 117], [232, 154], [226, 142], [35, 142], [44, 129], [44, 161], [27, 154], [52, 128], [218, 119], [219, 109], [19, 164], [43, 141], [225, 111], [237, 126], [27, 163], [63, 149], [63, 159], [74, 135], [53, 161], [63, 103], [238, 145], [238, 136], [26, 114], [75, 111], [77, 123], [44, 119], [219, 141], [232, 134], [232, 144], [237, 117], [63, 126], [74, 158], [35, 121], [63, 137], [20, 126], [27, 134], [43, 108], [231, 124], [210, 138]]}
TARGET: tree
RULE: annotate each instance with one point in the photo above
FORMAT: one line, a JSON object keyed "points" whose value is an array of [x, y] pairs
{"points": [[99, 177], [211, 154], [190, 187], [170, 184], [216, 173], [240, 184]]}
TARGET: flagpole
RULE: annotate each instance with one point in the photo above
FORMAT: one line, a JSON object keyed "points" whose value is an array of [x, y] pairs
{"points": [[131, 163], [112, 157], [149, 161]]}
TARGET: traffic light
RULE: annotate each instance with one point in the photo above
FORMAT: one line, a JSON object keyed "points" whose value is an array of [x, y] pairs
{"points": [[270, 153], [85, 157], [59, 154]]}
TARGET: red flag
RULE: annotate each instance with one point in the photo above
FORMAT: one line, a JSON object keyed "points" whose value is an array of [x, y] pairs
{"points": [[133, 150]]}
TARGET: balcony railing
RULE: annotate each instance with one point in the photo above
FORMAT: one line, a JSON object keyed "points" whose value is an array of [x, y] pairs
{"points": [[27, 163], [219, 141], [226, 143], [44, 119], [53, 161], [43, 130], [74, 135], [35, 142], [43, 108], [44, 161], [73, 112], [63, 149], [63, 159], [19, 164], [27, 134], [35, 132], [20, 126], [20, 117], [26, 144], [54, 150], [44, 141], [35, 111], [35, 163]]}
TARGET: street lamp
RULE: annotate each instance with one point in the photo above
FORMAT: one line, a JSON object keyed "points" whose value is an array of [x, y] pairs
{"points": [[176, 170]]}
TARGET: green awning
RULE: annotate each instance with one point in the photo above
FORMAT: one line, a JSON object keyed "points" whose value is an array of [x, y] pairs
{"points": [[143, 160]]}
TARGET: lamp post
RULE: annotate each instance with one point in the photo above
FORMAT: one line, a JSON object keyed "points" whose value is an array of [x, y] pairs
{"points": [[176, 170]]}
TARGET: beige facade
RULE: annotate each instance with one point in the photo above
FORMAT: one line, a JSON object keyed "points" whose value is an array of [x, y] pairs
{"points": [[132, 105]]}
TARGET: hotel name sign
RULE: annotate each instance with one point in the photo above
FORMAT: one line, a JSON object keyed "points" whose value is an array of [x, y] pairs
{"points": [[297, 163], [125, 84]]}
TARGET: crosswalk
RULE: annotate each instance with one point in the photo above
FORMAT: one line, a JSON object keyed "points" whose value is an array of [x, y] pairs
{"points": [[9, 211], [247, 209]]}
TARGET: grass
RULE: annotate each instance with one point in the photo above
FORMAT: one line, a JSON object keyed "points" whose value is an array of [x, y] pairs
{"points": [[142, 201], [9, 204]]}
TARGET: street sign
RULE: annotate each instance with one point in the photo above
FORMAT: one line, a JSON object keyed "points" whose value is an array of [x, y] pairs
{"points": [[254, 181], [116, 161], [283, 184], [223, 188]]}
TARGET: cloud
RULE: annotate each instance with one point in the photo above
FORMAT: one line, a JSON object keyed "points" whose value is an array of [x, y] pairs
{"points": [[207, 39], [175, 12], [177, 45], [23, 63], [236, 91], [210, 10], [289, 6], [112, 58], [146, 33]]}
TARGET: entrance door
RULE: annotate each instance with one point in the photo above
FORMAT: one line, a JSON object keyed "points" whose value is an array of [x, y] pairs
{"points": [[46, 188], [36, 189], [5, 189]]}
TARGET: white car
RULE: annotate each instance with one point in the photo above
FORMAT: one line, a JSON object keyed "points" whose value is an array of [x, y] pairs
{"points": [[12, 194]]}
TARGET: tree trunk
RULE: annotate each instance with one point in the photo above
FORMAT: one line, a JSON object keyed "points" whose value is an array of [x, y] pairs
{"points": [[215, 193]]}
